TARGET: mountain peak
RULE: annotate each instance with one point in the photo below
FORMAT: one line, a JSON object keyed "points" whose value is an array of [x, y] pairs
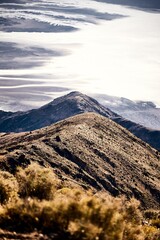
{"points": [[74, 96], [66, 106]]}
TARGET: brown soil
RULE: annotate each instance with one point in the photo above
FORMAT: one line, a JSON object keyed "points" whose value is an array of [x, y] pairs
{"points": [[91, 151]]}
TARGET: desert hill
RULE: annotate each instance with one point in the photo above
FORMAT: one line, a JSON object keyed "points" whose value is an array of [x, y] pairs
{"points": [[92, 151], [66, 106]]}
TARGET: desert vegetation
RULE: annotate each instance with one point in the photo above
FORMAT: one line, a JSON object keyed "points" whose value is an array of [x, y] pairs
{"points": [[35, 199]]}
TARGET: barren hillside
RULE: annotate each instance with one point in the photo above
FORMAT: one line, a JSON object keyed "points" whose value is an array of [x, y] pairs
{"points": [[91, 151]]}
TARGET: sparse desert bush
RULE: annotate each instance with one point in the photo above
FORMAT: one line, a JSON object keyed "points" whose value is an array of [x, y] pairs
{"points": [[152, 217], [8, 187], [73, 213], [152, 214], [151, 233], [20, 215], [36, 181]]}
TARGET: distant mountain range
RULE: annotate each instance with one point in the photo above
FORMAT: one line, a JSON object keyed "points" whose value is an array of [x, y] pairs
{"points": [[69, 105], [146, 4], [144, 113], [91, 151]]}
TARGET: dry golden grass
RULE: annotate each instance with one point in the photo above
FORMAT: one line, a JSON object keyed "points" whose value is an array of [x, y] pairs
{"points": [[37, 201], [36, 181], [8, 187]]}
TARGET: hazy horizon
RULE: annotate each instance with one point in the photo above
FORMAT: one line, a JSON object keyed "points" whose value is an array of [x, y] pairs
{"points": [[49, 49]]}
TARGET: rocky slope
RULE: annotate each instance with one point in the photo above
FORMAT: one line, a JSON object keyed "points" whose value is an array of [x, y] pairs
{"points": [[92, 151], [69, 105]]}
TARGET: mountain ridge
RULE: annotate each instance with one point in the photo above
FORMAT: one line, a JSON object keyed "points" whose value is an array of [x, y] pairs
{"points": [[91, 151], [58, 109], [69, 105]]}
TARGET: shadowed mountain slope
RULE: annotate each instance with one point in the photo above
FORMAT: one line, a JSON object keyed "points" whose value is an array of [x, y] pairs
{"points": [[145, 113], [63, 107], [149, 136], [92, 151], [144, 4], [69, 105]]}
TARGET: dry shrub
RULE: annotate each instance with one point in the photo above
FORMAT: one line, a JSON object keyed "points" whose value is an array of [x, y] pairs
{"points": [[72, 214], [133, 217], [8, 187], [151, 233], [132, 211], [152, 214], [153, 218], [36, 181], [21, 216]]}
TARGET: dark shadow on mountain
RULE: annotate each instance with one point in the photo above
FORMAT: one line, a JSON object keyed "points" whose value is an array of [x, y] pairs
{"points": [[91, 19], [16, 57], [22, 24], [12, 82], [31, 25], [34, 89], [153, 5], [40, 77], [51, 8], [88, 12], [12, 1]]}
